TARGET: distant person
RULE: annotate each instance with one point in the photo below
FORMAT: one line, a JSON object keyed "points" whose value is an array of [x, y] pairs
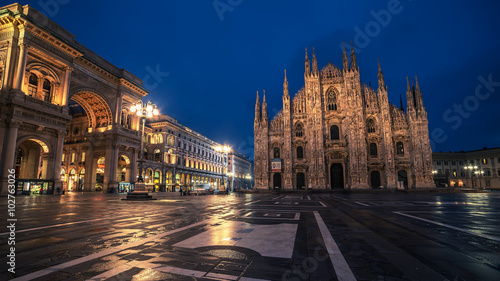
{"points": [[180, 190]]}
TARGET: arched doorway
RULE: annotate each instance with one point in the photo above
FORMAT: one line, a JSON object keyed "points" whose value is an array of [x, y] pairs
{"points": [[72, 181], [81, 179], [375, 179], [337, 176], [301, 181], [403, 178], [277, 181]]}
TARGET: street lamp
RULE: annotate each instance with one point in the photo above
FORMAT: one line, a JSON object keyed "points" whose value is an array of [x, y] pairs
{"points": [[224, 149], [480, 173], [144, 111]]}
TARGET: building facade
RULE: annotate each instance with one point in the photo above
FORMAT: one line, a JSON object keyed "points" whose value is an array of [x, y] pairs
{"points": [[178, 157], [475, 169], [337, 132], [239, 171]]}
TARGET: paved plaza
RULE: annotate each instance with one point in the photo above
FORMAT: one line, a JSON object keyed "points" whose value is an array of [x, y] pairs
{"points": [[329, 236]]}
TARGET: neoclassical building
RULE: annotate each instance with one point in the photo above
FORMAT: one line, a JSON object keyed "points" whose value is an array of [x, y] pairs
{"points": [[177, 156], [63, 109], [338, 132]]}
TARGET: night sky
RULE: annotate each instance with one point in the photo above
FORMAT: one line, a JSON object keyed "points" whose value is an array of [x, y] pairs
{"points": [[219, 53]]}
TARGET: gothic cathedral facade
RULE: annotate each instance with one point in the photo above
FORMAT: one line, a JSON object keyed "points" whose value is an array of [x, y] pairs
{"points": [[337, 132]]}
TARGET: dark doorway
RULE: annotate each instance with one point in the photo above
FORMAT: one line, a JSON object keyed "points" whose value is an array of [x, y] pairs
{"points": [[277, 181], [375, 179], [337, 176], [301, 181], [402, 177]]}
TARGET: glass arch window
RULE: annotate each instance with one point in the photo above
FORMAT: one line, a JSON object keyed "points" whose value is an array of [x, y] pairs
{"points": [[400, 148], [332, 100], [334, 132], [276, 152], [300, 152]]}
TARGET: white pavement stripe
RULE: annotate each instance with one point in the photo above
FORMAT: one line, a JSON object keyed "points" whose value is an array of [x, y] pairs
{"points": [[308, 198], [322, 204], [252, 202], [342, 269], [362, 204], [337, 197], [55, 225], [110, 251], [494, 238]]}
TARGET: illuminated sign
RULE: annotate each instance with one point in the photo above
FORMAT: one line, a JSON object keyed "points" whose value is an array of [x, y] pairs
{"points": [[276, 165]]}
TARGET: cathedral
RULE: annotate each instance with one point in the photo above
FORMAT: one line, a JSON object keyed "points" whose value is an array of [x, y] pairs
{"points": [[339, 133]]}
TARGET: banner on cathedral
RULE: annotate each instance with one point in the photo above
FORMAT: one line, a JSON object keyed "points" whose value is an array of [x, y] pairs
{"points": [[276, 165]]}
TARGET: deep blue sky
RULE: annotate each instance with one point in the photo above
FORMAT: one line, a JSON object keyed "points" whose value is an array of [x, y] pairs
{"points": [[216, 66]]}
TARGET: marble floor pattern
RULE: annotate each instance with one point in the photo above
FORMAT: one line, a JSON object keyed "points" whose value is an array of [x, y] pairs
{"points": [[260, 238]]}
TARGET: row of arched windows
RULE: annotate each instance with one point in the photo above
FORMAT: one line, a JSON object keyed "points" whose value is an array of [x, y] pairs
{"points": [[39, 88], [299, 150]]}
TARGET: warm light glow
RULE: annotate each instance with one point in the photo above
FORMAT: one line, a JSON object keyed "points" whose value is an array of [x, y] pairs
{"points": [[133, 109], [150, 114], [155, 111], [138, 106]]}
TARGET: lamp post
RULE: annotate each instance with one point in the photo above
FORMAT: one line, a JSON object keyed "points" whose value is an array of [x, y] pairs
{"points": [[479, 174], [144, 111], [224, 149]]}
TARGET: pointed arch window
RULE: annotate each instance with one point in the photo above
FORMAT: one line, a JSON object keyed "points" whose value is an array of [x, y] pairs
{"points": [[299, 130], [276, 152], [400, 148], [32, 85], [300, 152], [373, 149], [334, 132], [332, 100], [370, 126]]}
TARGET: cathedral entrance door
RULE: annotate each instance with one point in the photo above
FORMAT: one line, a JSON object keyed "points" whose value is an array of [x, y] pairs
{"points": [[301, 181], [375, 179], [337, 176], [402, 177], [277, 181]]}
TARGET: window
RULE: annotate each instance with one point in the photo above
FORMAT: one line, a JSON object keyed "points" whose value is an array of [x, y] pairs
{"points": [[447, 172], [334, 132], [498, 160], [370, 126], [453, 162], [299, 130], [46, 90], [276, 152], [498, 172], [83, 156], [157, 155], [332, 100], [485, 161], [462, 174], [145, 154], [32, 85], [460, 162], [300, 152], [72, 157], [438, 162], [445, 162], [487, 173], [373, 149], [400, 149], [454, 173]]}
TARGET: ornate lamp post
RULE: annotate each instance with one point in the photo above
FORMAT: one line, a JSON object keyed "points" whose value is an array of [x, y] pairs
{"points": [[479, 175], [144, 111], [224, 149]]}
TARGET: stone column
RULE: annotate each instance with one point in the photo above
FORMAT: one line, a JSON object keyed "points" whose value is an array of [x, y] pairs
{"points": [[21, 66], [9, 151], [133, 166], [9, 62], [57, 161], [89, 170], [119, 101], [65, 88], [110, 169]]}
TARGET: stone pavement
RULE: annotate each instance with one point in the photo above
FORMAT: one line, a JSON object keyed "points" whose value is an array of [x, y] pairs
{"points": [[256, 237]]}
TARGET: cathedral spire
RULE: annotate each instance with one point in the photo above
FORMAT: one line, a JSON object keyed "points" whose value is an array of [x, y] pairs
{"points": [[257, 108], [409, 96], [419, 103], [307, 67], [354, 63], [285, 87], [314, 63], [381, 82], [264, 108], [345, 62]]}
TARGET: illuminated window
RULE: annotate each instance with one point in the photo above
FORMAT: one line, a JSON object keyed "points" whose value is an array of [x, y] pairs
{"points": [[63, 157], [72, 157], [485, 161], [400, 148], [157, 155], [276, 152], [83, 156]]}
